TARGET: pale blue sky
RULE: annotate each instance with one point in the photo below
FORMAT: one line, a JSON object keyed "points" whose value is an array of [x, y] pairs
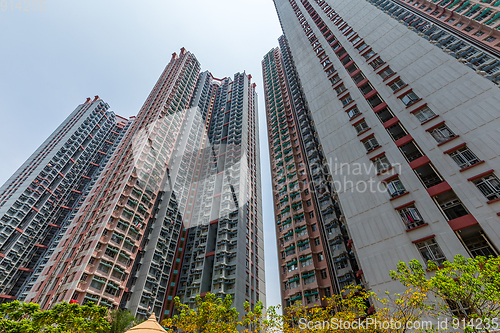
{"points": [[51, 61]]}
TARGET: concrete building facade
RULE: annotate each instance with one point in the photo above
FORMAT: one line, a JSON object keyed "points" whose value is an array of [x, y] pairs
{"points": [[313, 243], [40, 199], [94, 259], [409, 131], [180, 191]]}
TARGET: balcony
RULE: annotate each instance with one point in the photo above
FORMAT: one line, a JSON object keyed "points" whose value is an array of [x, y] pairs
{"points": [[451, 205], [411, 151], [339, 250], [396, 132], [428, 176]]}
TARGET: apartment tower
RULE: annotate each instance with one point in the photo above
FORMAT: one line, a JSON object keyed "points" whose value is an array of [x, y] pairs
{"points": [[224, 249], [93, 260], [187, 166], [405, 110], [213, 194], [40, 199], [313, 244]]}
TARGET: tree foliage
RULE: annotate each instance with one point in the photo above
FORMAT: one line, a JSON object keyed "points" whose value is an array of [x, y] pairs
{"points": [[352, 308], [17, 317], [210, 314], [121, 320], [463, 289], [470, 287]]}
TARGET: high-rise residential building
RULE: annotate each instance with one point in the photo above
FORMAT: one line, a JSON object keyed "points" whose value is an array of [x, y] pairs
{"points": [[462, 27], [39, 201], [180, 191], [93, 260], [213, 192], [405, 110], [313, 243], [224, 251]]}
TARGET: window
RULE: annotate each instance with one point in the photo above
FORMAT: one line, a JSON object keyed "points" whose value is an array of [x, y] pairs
{"points": [[476, 242], [424, 114], [304, 246], [409, 98], [306, 261], [366, 88], [323, 274], [330, 71], [385, 114], [346, 100], [442, 134], [301, 232], [97, 283], [309, 203], [397, 131], [370, 144], [411, 217], [346, 60], [294, 283], [334, 79], [340, 89], [381, 163], [368, 54], [458, 309], [358, 78], [362, 47], [320, 257], [469, 28], [396, 85], [309, 277], [361, 126], [431, 251], [490, 39], [377, 63], [489, 186], [479, 34], [316, 241], [288, 238], [386, 73], [292, 266], [395, 187], [464, 157], [351, 69], [353, 112], [314, 227], [374, 101]]}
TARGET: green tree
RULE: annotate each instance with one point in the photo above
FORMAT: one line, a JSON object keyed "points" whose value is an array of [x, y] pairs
{"points": [[209, 315], [73, 318], [121, 320], [470, 288], [17, 317]]}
